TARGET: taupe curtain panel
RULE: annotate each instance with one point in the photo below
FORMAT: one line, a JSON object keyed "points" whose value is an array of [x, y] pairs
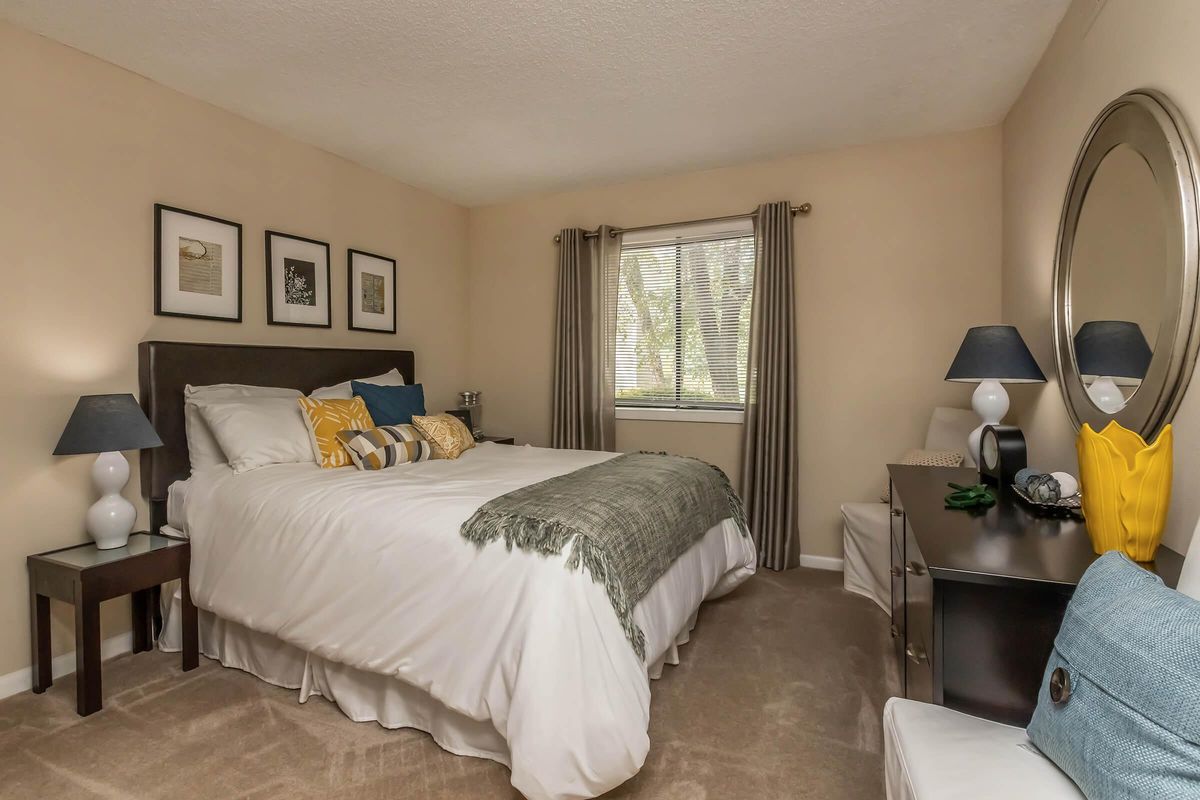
{"points": [[585, 329], [770, 464]]}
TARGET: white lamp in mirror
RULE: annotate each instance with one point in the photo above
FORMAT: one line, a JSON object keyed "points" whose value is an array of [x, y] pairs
{"points": [[1109, 351]]}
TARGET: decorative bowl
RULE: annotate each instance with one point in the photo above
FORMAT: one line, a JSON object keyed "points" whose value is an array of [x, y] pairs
{"points": [[1066, 506]]}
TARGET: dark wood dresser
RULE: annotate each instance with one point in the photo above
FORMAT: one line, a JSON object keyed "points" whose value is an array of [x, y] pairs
{"points": [[977, 597]]}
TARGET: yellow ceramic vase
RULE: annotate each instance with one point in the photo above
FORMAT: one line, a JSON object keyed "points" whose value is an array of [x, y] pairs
{"points": [[1126, 488]]}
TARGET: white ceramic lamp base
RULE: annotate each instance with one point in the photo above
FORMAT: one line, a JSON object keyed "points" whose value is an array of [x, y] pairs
{"points": [[990, 402], [1106, 395], [110, 519]]}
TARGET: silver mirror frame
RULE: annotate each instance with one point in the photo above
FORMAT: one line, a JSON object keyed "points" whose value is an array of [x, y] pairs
{"points": [[1149, 123]]}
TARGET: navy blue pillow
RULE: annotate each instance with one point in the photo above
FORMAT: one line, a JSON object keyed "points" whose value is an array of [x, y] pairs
{"points": [[391, 405]]}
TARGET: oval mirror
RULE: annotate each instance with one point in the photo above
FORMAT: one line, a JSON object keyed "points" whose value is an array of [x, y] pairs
{"points": [[1126, 269]]}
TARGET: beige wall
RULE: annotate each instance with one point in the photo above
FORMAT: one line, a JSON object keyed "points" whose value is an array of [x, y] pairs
{"points": [[1131, 44], [86, 149], [899, 256]]}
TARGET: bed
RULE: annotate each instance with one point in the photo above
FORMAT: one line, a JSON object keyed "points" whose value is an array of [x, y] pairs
{"points": [[357, 587]]}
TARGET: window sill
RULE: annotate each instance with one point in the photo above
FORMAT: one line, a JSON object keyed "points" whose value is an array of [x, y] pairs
{"points": [[681, 415]]}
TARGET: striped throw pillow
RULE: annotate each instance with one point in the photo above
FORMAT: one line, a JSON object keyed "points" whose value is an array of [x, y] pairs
{"points": [[385, 446]]}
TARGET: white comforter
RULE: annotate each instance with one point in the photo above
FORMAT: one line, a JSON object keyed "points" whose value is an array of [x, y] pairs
{"points": [[369, 569]]}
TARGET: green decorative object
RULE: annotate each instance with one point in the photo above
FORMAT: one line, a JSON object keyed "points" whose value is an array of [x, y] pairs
{"points": [[1023, 477], [1044, 489], [964, 497]]}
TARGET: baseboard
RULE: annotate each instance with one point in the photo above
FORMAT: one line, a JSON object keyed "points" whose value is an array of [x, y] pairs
{"points": [[22, 679], [821, 562]]}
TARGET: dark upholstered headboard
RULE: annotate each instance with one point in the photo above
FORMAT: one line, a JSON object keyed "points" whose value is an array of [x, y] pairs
{"points": [[164, 368]]}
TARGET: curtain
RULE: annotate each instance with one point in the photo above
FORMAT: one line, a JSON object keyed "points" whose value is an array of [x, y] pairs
{"points": [[770, 466], [585, 329]]}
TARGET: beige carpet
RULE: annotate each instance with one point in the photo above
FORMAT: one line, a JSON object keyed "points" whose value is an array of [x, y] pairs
{"points": [[779, 696]]}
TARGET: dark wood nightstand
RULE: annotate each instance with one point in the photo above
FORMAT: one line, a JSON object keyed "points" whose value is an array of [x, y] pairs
{"points": [[498, 439], [85, 576]]}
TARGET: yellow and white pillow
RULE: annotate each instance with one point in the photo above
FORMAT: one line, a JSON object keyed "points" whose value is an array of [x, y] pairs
{"points": [[325, 418], [385, 446], [446, 433]]}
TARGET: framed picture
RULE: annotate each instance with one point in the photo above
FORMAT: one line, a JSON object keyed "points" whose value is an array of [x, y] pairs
{"points": [[297, 281], [372, 292], [197, 265]]}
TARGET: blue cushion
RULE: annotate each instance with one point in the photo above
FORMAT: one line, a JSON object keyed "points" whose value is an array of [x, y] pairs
{"points": [[1130, 724], [391, 405]]}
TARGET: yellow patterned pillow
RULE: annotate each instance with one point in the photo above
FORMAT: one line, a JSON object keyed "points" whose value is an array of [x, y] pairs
{"points": [[325, 418], [446, 434]]}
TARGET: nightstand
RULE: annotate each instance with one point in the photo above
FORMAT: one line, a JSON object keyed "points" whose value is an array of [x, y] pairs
{"points": [[85, 576], [498, 439]]}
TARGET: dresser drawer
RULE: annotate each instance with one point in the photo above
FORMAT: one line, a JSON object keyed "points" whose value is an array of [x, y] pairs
{"points": [[898, 626], [896, 521], [918, 624]]}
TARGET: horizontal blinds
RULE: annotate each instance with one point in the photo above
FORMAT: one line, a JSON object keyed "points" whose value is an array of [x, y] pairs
{"points": [[683, 317]]}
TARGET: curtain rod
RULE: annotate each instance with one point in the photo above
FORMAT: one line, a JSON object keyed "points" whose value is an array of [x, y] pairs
{"points": [[803, 208]]}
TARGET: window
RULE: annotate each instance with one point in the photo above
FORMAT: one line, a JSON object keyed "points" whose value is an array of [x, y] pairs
{"points": [[683, 316]]}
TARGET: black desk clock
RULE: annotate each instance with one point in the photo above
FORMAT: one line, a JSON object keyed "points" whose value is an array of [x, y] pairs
{"points": [[1001, 455]]}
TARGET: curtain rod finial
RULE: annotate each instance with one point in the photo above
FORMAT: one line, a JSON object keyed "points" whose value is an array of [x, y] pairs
{"points": [[803, 208]]}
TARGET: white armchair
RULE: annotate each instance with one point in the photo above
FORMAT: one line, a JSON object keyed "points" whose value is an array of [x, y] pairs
{"points": [[866, 527], [934, 753]]}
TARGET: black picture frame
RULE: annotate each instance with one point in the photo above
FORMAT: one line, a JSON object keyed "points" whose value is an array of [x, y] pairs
{"points": [[159, 210], [351, 294], [268, 236]]}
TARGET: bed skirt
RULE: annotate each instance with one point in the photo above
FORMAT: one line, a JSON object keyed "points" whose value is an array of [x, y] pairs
{"points": [[362, 696]]}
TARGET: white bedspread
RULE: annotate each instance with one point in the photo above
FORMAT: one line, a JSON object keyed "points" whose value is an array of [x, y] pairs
{"points": [[368, 569]]}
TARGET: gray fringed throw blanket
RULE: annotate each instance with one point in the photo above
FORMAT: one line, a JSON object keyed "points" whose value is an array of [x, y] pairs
{"points": [[627, 520]]}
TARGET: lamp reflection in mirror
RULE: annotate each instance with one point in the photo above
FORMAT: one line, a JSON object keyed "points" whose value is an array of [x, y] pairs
{"points": [[1111, 352], [107, 424], [992, 355]]}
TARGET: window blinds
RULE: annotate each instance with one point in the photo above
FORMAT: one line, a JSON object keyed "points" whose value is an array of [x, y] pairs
{"points": [[683, 316]]}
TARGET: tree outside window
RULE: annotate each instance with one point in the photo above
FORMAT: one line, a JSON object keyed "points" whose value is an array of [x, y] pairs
{"points": [[683, 323]]}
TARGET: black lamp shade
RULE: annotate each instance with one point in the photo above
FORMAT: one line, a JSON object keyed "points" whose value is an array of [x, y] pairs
{"points": [[994, 352], [1113, 349], [106, 422]]}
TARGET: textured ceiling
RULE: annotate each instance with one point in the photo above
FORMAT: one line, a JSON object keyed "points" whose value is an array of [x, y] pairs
{"points": [[483, 101]]}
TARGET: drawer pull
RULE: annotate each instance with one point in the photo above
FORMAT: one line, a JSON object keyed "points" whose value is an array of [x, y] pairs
{"points": [[913, 568], [897, 572], [897, 512], [895, 632], [916, 654]]}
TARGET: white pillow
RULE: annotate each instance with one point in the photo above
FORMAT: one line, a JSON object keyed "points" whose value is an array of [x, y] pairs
{"points": [[341, 391], [256, 431], [203, 450]]}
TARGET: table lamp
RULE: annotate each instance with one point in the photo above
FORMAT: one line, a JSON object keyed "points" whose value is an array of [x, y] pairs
{"points": [[992, 355], [1107, 349], [107, 424]]}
